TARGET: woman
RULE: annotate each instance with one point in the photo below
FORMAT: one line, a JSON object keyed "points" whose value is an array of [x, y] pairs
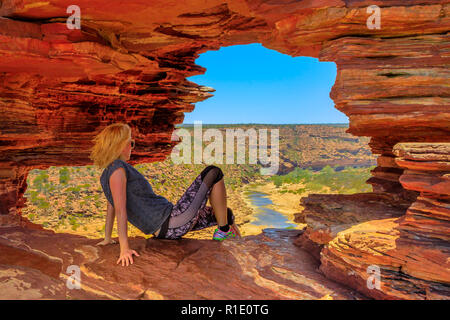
{"points": [[131, 197]]}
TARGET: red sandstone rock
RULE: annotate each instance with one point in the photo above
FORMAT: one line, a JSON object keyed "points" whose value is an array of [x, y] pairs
{"points": [[267, 266], [59, 87], [413, 251], [326, 215], [408, 269], [427, 172]]}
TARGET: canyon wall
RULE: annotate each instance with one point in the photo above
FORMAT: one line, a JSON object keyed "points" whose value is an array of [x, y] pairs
{"points": [[59, 87]]}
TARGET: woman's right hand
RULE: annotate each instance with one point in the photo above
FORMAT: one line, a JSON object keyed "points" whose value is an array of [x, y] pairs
{"points": [[126, 256]]}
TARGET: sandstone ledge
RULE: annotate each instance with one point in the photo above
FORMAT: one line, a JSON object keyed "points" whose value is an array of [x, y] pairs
{"points": [[266, 266], [411, 249], [328, 214], [409, 270], [59, 87]]}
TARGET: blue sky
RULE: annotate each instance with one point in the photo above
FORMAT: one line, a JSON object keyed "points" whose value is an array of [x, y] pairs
{"points": [[258, 85]]}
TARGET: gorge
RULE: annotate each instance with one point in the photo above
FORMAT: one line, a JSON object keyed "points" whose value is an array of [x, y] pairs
{"points": [[59, 87]]}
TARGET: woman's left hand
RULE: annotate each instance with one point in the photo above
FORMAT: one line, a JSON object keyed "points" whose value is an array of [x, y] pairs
{"points": [[106, 241]]}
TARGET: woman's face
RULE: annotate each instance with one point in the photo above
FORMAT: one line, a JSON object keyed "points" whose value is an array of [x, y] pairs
{"points": [[126, 153]]}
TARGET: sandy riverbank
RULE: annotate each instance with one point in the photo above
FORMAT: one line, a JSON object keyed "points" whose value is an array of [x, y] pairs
{"points": [[286, 203]]}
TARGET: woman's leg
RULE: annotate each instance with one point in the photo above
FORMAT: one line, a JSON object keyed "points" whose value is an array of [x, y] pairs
{"points": [[207, 218], [218, 200], [224, 215], [190, 209]]}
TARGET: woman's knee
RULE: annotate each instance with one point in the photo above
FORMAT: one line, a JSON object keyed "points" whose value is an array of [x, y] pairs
{"points": [[217, 171]]}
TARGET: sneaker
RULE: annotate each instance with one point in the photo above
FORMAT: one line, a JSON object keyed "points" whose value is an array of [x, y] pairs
{"points": [[219, 235]]}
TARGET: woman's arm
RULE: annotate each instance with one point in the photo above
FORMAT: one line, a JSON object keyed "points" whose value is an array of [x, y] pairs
{"points": [[110, 215], [118, 185]]}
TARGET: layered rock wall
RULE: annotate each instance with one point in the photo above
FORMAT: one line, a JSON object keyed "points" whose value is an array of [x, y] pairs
{"points": [[394, 90], [59, 87], [412, 252]]}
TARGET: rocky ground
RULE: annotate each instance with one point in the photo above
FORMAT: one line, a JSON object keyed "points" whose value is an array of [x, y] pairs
{"points": [[264, 266]]}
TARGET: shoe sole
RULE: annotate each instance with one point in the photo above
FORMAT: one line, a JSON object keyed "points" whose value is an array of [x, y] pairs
{"points": [[221, 239]]}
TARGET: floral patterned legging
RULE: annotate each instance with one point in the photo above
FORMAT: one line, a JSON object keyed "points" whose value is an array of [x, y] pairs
{"points": [[191, 212]]}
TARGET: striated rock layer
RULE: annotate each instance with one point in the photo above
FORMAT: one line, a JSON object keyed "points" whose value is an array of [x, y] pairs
{"points": [[326, 215], [59, 87], [267, 266], [411, 250]]}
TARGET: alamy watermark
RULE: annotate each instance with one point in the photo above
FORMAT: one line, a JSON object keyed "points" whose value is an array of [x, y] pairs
{"points": [[257, 142], [374, 21], [74, 20], [74, 279], [374, 279]]}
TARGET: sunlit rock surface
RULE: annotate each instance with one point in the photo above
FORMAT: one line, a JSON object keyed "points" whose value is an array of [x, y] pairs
{"points": [[411, 248], [267, 266], [326, 215], [59, 87]]}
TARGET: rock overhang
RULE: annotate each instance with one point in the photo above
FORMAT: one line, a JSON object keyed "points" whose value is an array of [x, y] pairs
{"points": [[59, 87]]}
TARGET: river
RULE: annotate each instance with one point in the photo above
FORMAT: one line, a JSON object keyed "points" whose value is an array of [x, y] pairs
{"points": [[264, 215]]}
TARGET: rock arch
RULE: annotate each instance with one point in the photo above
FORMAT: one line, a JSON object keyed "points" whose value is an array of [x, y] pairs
{"points": [[59, 87]]}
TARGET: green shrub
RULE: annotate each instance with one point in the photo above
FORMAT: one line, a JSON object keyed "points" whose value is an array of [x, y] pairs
{"points": [[75, 190], [349, 180], [40, 180], [43, 204], [72, 221], [64, 175]]}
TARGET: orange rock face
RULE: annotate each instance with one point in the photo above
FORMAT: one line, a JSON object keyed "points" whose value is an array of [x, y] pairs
{"points": [[59, 87], [411, 251], [326, 215], [267, 266]]}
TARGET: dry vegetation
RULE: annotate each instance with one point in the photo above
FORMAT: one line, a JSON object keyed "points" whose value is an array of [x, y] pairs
{"points": [[71, 200]]}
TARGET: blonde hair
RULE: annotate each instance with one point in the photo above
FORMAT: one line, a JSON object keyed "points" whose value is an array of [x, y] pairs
{"points": [[109, 144]]}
